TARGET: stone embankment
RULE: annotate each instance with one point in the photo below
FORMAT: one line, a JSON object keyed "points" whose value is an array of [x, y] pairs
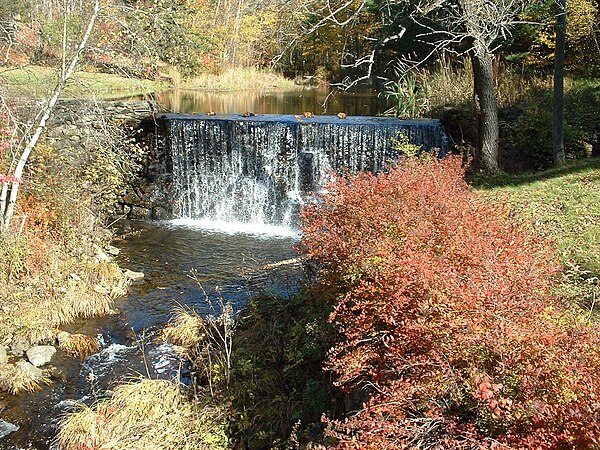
{"points": [[89, 125]]}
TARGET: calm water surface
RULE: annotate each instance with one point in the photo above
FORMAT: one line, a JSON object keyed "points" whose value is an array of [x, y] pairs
{"points": [[317, 101]]}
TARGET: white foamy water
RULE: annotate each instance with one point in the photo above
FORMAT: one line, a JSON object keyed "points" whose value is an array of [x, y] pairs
{"points": [[221, 226]]}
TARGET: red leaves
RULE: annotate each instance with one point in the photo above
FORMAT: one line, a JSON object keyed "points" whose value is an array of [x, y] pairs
{"points": [[444, 306]]}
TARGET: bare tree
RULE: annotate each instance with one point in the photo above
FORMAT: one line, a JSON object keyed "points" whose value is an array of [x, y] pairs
{"points": [[11, 183]]}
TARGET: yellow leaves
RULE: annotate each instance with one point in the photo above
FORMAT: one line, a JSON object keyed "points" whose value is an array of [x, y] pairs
{"points": [[581, 20]]}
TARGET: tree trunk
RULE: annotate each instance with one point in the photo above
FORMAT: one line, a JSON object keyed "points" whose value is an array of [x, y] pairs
{"points": [[558, 141], [486, 157], [8, 209]]}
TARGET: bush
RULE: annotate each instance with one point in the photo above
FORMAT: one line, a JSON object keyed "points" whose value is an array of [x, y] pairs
{"points": [[447, 324]]}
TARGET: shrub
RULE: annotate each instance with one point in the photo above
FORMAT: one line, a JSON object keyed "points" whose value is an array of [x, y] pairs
{"points": [[447, 324]]}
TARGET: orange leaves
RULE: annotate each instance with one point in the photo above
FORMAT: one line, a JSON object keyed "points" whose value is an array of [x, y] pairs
{"points": [[442, 301]]}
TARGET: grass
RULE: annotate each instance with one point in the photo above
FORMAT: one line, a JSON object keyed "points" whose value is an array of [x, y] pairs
{"points": [[37, 81], [562, 203], [186, 330], [149, 415], [241, 79], [15, 380], [80, 345]]}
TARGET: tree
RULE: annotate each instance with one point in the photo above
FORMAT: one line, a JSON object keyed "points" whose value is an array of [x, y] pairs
{"points": [[558, 141], [12, 181], [477, 28], [465, 27]]}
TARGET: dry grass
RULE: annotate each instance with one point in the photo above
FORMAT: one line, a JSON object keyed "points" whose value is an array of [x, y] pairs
{"points": [[16, 381], [242, 79], [145, 415], [65, 291], [186, 330], [91, 294], [80, 345], [452, 84]]}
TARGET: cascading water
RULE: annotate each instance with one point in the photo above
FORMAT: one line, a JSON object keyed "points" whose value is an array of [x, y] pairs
{"points": [[259, 169]]}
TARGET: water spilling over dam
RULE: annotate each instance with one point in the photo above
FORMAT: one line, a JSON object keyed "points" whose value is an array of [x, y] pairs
{"points": [[259, 169]]}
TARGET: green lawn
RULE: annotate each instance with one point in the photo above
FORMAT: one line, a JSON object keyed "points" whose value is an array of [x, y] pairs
{"points": [[37, 82], [563, 203]]}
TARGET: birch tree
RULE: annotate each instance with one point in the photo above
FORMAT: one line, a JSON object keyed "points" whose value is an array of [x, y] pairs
{"points": [[12, 181]]}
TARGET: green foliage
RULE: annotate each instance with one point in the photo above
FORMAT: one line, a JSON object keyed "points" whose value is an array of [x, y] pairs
{"points": [[529, 134], [409, 96], [402, 144], [277, 380]]}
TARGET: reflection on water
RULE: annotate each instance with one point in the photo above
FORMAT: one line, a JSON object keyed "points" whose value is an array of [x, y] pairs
{"points": [[317, 101]]}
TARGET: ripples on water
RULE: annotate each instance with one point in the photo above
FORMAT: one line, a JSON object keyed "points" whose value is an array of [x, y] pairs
{"points": [[176, 258]]}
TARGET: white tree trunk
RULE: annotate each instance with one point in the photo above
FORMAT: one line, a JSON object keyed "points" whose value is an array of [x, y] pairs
{"points": [[46, 113]]}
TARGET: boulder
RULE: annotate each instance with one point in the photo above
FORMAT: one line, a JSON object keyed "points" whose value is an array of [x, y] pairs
{"points": [[6, 428], [113, 251], [63, 338], [3, 355], [133, 276], [19, 345], [29, 369], [40, 354]]}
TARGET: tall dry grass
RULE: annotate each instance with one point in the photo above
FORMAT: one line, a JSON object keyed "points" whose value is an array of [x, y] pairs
{"points": [[450, 83], [241, 79], [15, 380], [146, 415]]}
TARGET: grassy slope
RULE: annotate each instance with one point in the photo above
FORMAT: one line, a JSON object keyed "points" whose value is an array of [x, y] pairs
{"points": [[36, 81], [563, 203]]}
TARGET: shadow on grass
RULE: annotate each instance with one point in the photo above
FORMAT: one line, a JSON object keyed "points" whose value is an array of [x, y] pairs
{"points": [[487, 181]]}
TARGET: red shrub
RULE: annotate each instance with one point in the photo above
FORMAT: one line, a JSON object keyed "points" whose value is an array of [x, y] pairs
{"points": [[444, 306]]}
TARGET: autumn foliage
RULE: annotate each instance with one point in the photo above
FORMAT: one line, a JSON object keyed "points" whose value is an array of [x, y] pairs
{"points": [[449, 329]]}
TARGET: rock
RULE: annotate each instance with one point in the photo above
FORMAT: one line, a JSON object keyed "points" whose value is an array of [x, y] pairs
{"points": [[160, 213], [19, 345], [3, 355], [113, 251], [30, 369], [40, 354], [63, 338], [6, 428], [101, 255], [140, 213], [133, 276]]}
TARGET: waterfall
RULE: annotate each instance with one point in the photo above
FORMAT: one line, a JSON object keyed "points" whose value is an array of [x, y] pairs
{"points": [[261, 169]]}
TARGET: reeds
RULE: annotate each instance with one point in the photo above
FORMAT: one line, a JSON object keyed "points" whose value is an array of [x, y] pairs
{"points": [[146, 415], [449, 82]]}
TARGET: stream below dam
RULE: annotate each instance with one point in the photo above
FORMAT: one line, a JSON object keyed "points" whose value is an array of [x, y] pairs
{"points": [[185, 267]]}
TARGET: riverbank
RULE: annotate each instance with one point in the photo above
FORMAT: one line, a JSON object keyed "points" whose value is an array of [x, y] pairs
{"points": [[56, 262], [36, 81], [241, 79]]}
